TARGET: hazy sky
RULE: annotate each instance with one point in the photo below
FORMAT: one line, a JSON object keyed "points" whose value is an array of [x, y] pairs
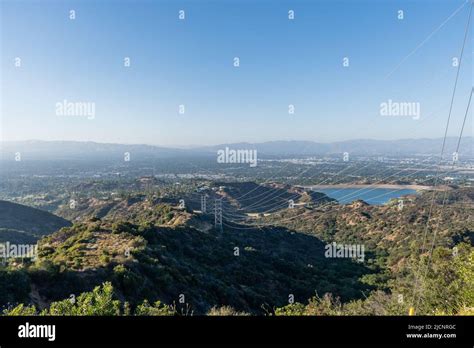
{"points": [[190, 62]]}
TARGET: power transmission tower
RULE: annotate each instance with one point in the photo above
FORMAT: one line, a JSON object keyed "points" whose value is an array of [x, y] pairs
{"points": [[203, 204], [218, 214]]}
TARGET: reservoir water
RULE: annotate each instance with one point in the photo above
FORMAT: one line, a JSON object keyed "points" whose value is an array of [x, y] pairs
{"points": [[373, 196]]}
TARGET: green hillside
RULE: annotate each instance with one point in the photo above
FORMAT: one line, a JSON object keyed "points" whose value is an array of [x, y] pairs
{"points": [[24, 225], [157, 252]]}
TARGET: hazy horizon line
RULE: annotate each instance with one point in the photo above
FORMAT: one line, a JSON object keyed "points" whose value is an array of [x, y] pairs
{"points": [[191, 146]]}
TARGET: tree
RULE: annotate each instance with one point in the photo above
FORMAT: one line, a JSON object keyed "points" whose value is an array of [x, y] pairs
{"points": [[97, 302]]}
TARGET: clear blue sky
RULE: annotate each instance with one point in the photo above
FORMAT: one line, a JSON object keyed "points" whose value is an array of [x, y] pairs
{"points": [[190, 62]]}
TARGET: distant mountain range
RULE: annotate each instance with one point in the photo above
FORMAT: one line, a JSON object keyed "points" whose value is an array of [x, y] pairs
{"points": [[60, 150], [79, 150], [360, 147]]}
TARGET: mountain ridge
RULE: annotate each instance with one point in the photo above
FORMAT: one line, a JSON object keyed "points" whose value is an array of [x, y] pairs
{"points": [[20, 223], [59, 149]]}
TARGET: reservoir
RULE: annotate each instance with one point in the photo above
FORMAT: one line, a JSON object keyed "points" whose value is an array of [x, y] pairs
{"points": [[371, 195]]}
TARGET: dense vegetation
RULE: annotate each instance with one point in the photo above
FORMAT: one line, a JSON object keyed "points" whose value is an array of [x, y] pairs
{"points": [[142, 255]]}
